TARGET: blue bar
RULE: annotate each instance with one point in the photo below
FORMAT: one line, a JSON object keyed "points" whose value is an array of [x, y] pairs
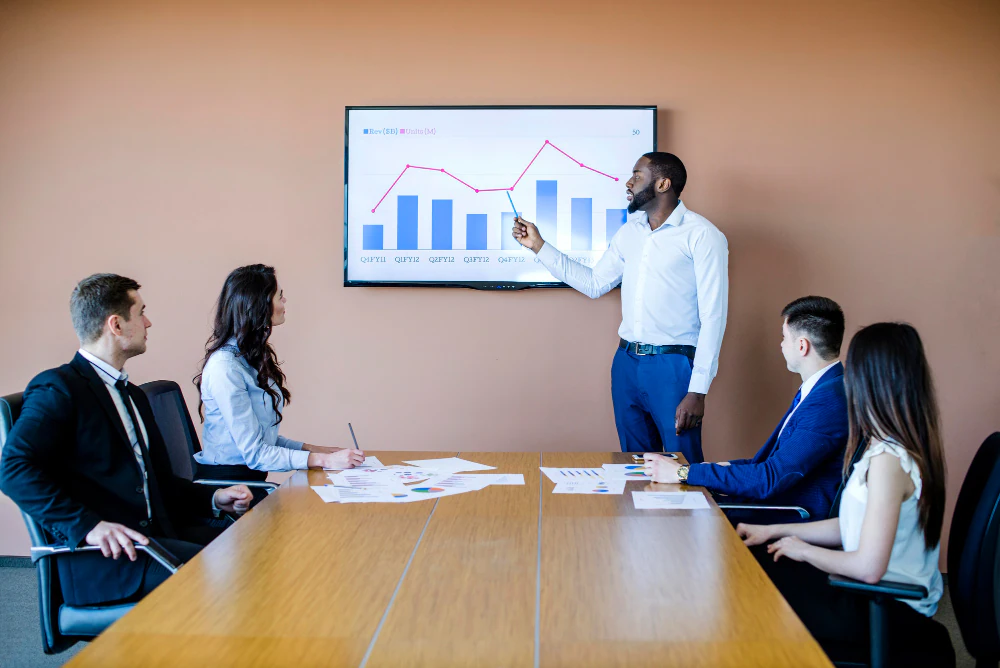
{"points": [[441, 224], [582, 216], [545, 209], [616, 218], [406, 222], [507, 240], [372, 237], [475, 231]]}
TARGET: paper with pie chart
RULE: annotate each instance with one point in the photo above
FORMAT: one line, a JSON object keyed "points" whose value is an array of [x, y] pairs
{"points": [[407, 484], [626, 472]]}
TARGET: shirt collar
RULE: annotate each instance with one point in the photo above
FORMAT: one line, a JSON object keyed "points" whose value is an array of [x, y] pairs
{"points": [[674, 219], [108, 373], [813, 379]]}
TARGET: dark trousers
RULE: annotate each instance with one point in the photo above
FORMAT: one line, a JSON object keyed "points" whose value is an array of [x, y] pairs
{"points": [[646, 390], [111, 581], [236, 473], [838, 619], [156, 574], [744, 516]]}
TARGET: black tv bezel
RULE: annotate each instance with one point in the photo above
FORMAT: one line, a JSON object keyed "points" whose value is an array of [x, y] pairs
{"points": [[475, 285]]}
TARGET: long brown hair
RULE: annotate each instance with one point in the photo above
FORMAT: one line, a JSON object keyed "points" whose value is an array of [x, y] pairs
{"points": [[890, 396], [244, 313]]}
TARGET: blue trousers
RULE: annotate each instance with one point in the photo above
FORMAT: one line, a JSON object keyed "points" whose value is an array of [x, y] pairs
{"points": [[646, 390]]}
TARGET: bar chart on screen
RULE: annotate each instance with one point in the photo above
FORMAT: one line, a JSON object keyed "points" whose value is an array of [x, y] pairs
{"points": [[431, 193]]}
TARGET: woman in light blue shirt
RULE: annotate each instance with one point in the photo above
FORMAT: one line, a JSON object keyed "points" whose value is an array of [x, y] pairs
{"points": [[242, 388]]}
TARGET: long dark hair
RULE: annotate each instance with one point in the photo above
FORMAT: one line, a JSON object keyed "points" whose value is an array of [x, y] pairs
{"points": [[890, 396], [244, 313]]}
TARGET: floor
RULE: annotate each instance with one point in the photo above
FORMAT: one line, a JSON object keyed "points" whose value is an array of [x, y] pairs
{"points": [[21, 646]]}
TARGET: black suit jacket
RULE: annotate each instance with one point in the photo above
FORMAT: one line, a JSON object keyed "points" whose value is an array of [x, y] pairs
{"points": [[68, 463]]}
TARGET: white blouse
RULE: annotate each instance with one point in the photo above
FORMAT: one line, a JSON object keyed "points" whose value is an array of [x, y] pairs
{"points": [[910, 561]]}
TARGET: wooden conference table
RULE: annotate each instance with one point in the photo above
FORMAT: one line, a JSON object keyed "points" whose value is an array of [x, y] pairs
{"points": [[506, 576]]}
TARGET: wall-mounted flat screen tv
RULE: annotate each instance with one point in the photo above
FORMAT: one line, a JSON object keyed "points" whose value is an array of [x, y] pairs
{"points": [[430, 193]]}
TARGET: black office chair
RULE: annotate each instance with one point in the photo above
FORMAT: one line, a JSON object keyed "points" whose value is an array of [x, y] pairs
{"points": [[973, 556], [64, 625], [177, 428], [973, 567]]}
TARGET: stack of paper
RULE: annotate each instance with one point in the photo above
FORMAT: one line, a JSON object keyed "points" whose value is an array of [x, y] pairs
{"points": [[432, 478]]}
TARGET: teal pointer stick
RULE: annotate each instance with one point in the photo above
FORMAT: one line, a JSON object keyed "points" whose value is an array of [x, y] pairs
{"points": [[516, 214]]}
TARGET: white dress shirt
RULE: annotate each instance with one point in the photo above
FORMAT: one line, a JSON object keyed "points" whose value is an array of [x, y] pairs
{"points": [[110, 376], [675, 284], [805, 389]]}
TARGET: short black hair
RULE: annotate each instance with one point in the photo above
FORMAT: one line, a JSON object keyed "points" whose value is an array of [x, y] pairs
{"points": [[668, 166], [822, 319], [97, 298]]}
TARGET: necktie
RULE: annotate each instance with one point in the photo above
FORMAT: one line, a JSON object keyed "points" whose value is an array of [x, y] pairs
{"points": [[795, 403], [140, 443]]}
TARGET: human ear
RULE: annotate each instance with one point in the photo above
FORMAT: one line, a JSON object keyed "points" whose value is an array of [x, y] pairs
{"points": [[804, 346]]}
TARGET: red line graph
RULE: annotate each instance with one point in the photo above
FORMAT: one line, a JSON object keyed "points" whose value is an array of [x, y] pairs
{"points": [[490, 190]]}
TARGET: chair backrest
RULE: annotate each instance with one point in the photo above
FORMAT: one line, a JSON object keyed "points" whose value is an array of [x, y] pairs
{"points": [[176, 426], [855, 458], [49, 593], [973, 555], [10, 409]]}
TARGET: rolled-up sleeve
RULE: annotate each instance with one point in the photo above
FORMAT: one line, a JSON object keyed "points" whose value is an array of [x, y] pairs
{"points": [[711, 268], [227, 386]]}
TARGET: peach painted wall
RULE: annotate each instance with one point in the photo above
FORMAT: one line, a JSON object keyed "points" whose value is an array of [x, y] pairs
{"points": [[846, 149]]}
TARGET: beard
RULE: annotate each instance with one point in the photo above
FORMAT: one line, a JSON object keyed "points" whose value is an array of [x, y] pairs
{"points": [[641, 199]]}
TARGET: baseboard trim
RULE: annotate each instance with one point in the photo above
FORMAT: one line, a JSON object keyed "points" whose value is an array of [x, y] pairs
{"points": [[16, 562]]}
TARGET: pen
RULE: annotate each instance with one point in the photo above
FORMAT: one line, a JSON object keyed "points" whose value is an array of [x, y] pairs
{"points": [[355, 438]]}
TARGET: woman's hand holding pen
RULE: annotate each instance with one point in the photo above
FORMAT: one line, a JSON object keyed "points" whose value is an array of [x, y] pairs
{"points": [[345, 458]]}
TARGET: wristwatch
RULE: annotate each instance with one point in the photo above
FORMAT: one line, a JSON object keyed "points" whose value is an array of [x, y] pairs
{"points": [[682, 473]]}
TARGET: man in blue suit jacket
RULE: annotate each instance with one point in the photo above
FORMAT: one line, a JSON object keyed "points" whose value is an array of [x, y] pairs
{"points": [[801, 463]]}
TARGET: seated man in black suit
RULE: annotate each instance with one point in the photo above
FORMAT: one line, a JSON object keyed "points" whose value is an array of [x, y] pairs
{"points": [[85, 458]]}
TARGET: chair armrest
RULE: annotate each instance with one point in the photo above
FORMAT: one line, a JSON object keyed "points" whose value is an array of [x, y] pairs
{"points": [[884, 587], [269, 486], [158, 554], [803, 513]]}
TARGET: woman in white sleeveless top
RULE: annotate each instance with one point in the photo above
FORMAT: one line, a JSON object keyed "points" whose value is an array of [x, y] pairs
{"points": [[891, 510]]}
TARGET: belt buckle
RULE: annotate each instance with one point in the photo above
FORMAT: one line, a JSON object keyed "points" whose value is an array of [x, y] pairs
{"points": [[638, 347]]}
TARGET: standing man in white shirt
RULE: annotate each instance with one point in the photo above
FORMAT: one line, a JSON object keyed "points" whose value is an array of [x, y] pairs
{"points": [[673, 266]]}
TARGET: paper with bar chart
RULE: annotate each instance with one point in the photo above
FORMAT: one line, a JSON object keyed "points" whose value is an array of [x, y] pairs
{"points": [[430, 190]]}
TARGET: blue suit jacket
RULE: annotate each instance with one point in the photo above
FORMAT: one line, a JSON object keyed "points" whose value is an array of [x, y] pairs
{"points": [[803, 466]]}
